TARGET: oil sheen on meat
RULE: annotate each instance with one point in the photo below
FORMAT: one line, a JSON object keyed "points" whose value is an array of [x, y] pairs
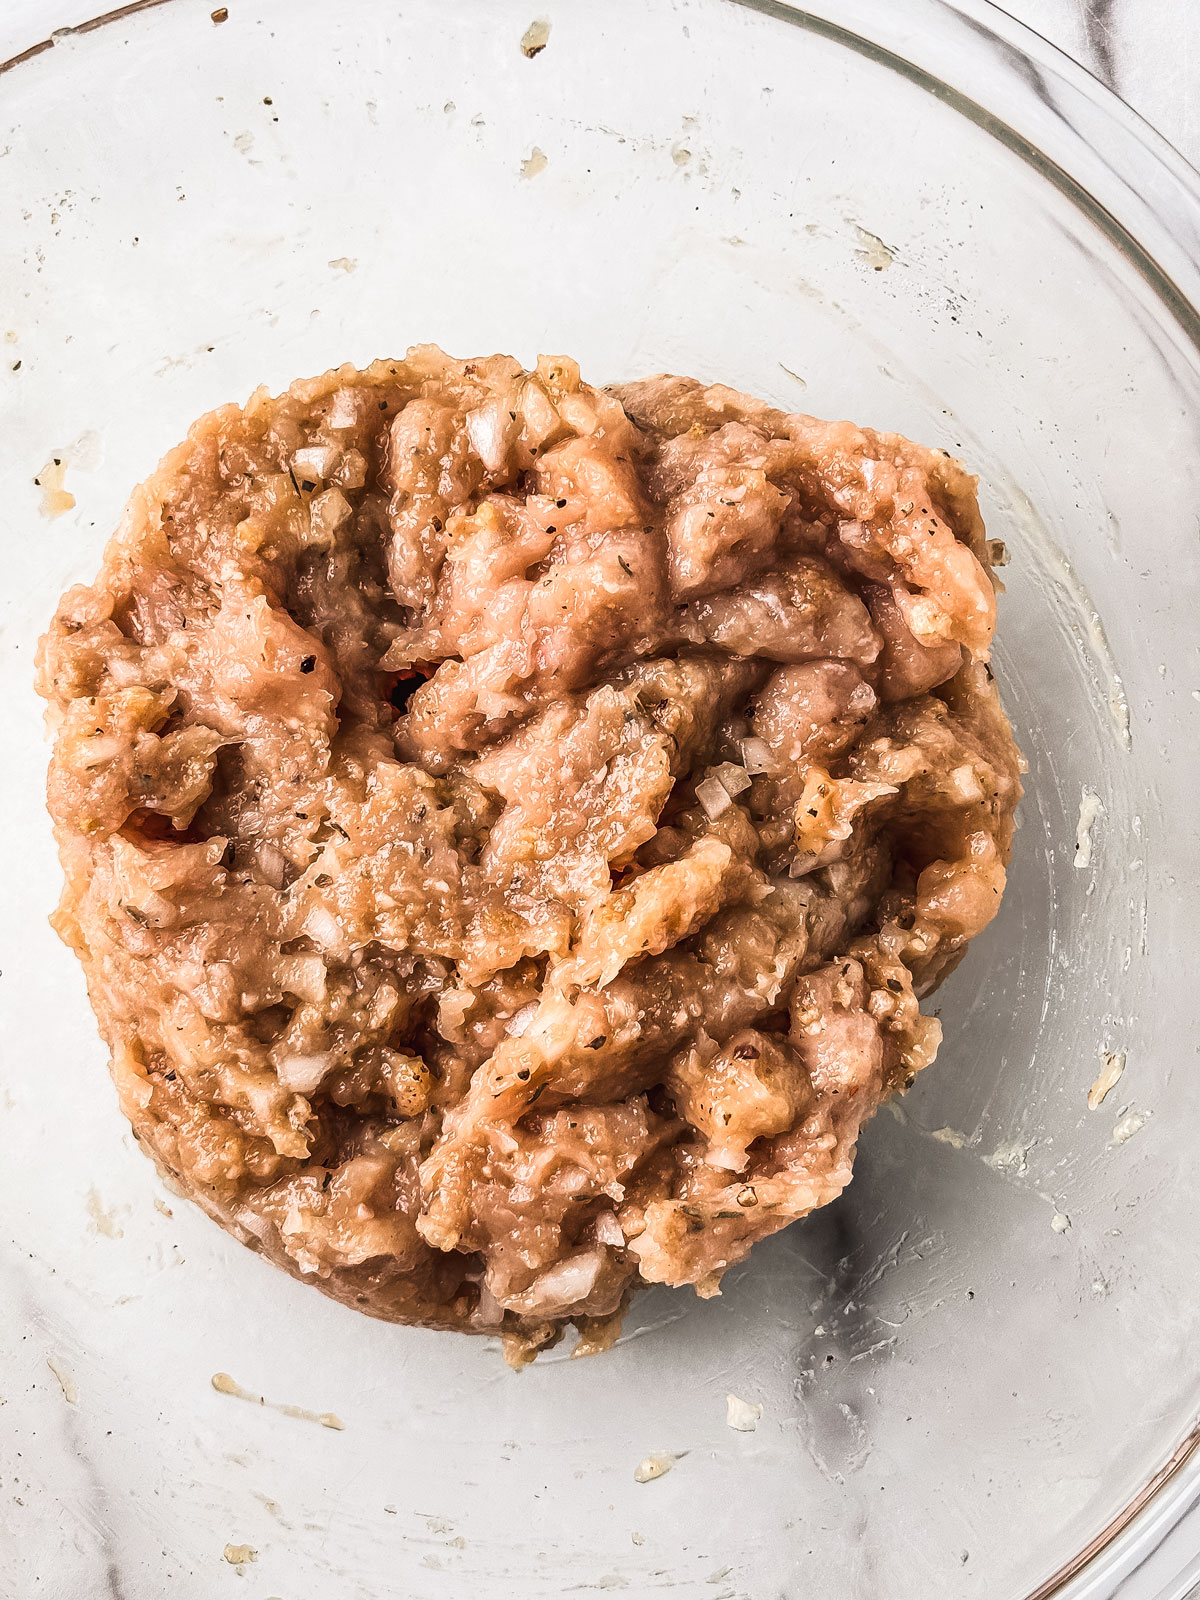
{"points": [[508, 825]]}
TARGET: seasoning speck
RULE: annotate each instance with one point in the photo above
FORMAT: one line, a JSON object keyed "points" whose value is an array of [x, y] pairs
{"points": [[221, 14]]}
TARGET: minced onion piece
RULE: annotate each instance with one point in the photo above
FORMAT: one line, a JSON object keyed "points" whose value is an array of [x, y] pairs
{"points": [[964, 785], [732, 778], [800, 864], [218, 983], [493, 705], [343, 413], [756, 755], [272, 864], [490, 430], [148, 904], [351, 470], [303, 976], [490, 1311], [608, 1229], [564, 1284], [123, 673], [502, 1140], [713, 796], [302, 1074], [327, 511], [101, 748], [520, 1020], [537, 412], [578, 413], [262, 1229], [322, 926], [315, 462], [862, 700]]}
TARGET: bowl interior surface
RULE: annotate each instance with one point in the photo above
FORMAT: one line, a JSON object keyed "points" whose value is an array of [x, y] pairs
{"points": [[977, 1356]]}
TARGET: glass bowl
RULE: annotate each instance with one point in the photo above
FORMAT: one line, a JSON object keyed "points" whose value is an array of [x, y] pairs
{"points": [[979, 1364]]}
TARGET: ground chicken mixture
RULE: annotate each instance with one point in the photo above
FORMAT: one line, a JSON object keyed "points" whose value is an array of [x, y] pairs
{"points": [[508, 825]]}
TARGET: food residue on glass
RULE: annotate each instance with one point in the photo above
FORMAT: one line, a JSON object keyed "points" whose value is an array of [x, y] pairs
{"points": [[535, 38], [1009, 1158], [873, 251], [1112, 1065], [742, 1415], [103, 1221], [224, 1384], [1090, 807], [1132, 1122], [55, 499], [66, 1382], [950, 1136]]}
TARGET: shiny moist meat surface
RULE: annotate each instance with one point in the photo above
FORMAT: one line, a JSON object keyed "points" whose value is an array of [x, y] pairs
{"points": [[508, 826]]}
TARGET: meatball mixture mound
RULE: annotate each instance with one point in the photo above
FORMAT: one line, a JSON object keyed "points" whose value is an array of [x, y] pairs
{"points": [[509, 826]]}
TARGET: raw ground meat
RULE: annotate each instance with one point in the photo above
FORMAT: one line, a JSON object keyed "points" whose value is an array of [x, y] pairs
{"points": [[508, 825]]}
